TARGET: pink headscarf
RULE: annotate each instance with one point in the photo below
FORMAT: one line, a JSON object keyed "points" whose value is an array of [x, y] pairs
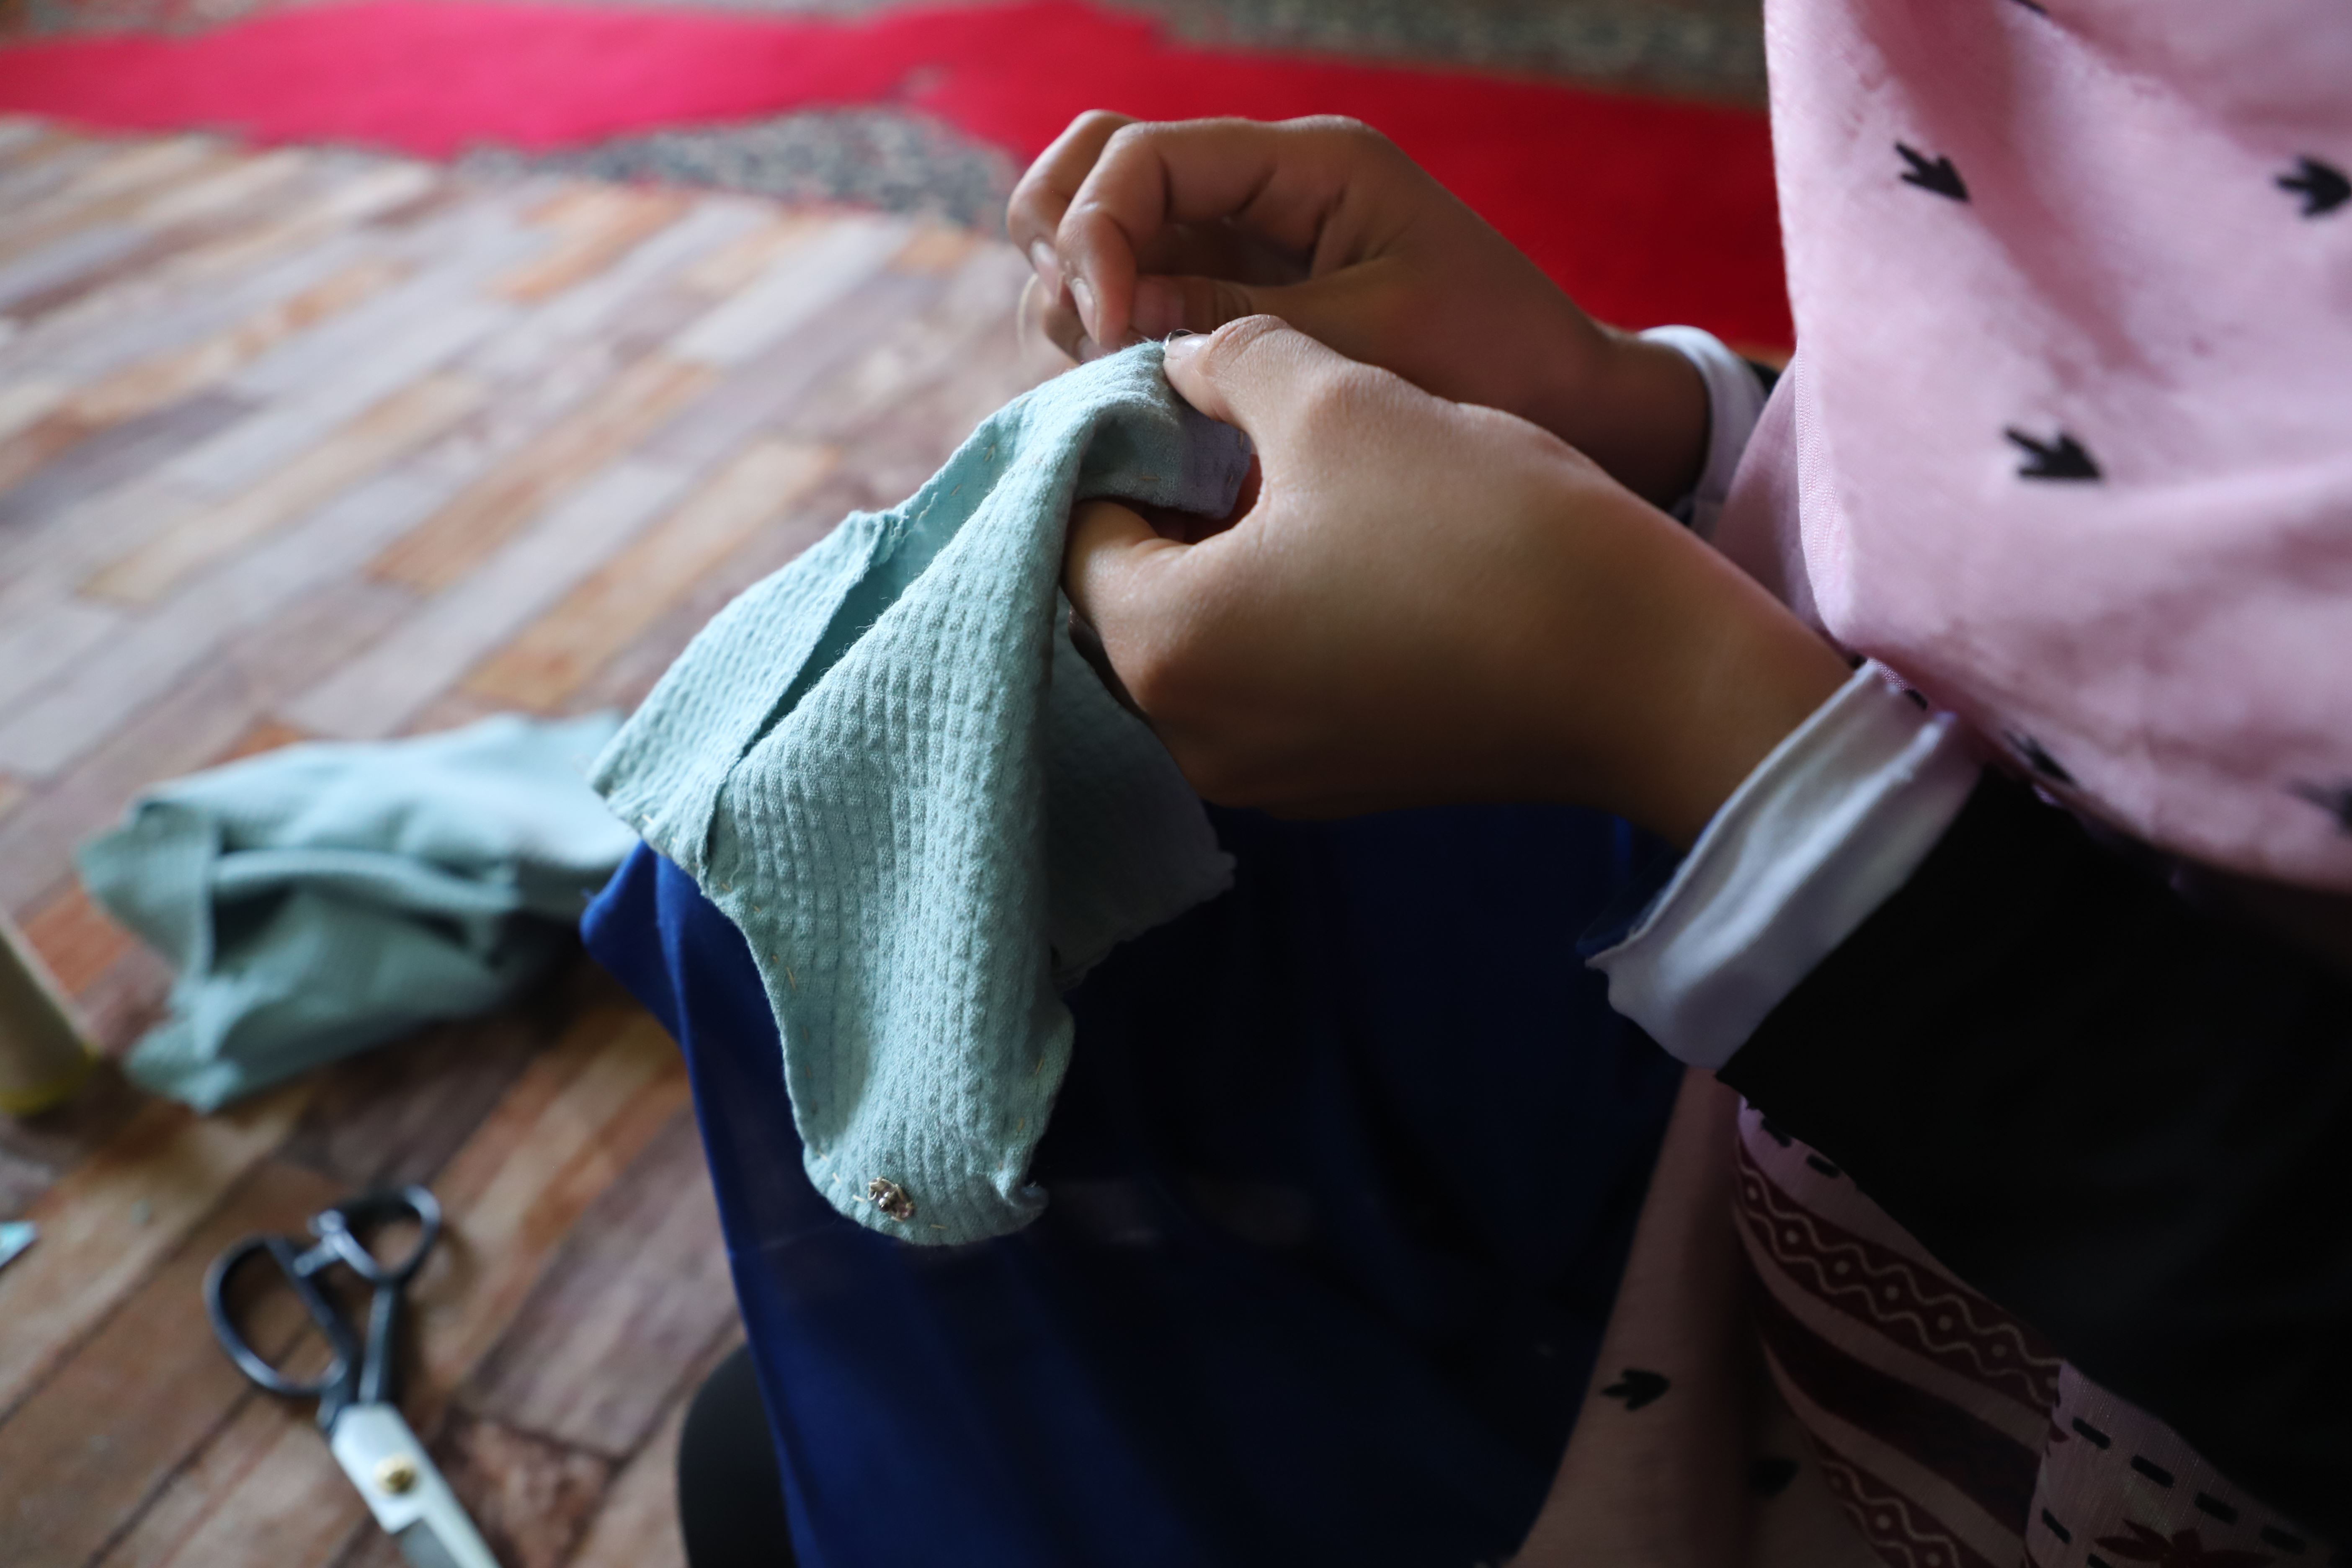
{"points": [[2068, 441]]}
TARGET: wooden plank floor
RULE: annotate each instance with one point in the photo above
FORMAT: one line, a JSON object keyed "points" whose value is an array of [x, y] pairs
{"points": [[313, 443]]}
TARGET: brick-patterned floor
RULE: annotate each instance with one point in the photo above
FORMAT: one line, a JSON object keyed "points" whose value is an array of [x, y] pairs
{"points": [[314, 444]]}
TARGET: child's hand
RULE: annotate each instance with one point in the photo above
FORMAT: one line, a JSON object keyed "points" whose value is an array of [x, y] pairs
{"points": [[1137, 230], [1429, 601]]}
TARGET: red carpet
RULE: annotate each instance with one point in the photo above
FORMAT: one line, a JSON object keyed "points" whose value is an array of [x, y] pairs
{"points": [[1648, 211]]}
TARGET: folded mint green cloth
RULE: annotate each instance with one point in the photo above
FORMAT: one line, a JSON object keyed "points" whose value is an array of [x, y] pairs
{"points": [[887, 764], [324, 897]]}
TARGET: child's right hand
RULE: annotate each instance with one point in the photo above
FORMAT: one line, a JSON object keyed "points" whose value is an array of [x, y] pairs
{"points": [[1429, 602], [1137, 230]]}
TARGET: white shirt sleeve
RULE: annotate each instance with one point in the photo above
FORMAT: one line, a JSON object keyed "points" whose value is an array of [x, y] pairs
{"points": [[1823, 831], [1735, 400]]}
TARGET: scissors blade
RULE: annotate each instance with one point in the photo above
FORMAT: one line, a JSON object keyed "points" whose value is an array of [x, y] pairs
{"points": [[15, 1236], [421, 1546], [404, 1489]]}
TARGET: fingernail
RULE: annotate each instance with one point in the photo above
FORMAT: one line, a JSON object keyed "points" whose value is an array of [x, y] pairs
{"points": [[1042, 262], [1082, 292], [1182, 347]]}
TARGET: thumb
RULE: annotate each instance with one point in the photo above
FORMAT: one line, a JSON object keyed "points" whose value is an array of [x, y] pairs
{"points": [[1253, 374], [1166, 303], [1342, 310]]}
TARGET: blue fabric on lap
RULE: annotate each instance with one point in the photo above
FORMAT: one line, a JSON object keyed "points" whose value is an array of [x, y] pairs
{"points": [[1341, 1180]]}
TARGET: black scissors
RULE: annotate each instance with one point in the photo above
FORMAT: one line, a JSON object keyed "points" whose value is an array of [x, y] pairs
{"points": [[357, 1394]]}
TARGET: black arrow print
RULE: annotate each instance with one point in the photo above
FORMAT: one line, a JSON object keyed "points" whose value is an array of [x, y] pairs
{"points": [[1937, 175], [2322, 185], [1637, 1388], [2061, 460]]}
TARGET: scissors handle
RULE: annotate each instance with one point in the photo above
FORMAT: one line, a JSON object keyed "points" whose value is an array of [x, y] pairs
{"points": [[379, 1376], [252, 1363], [333, 1226], [358, 1373], [380, 1367]]}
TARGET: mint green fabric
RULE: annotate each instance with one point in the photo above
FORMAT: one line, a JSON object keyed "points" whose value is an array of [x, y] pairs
{"points": [[325, 897], [887, 764]]}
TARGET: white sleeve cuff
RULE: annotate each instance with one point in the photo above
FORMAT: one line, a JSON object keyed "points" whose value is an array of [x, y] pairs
{"points": [[1735, 401], [1819, 836]]}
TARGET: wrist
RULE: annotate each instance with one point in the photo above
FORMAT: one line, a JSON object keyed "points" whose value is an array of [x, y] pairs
{"points": [[1686, 675], [1745, 674], [1637, 408]]}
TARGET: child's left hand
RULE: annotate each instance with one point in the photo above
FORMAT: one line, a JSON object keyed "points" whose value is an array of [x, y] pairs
{"points": [[1137, 230]]}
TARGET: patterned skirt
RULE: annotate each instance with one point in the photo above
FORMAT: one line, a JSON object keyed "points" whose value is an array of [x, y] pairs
{"points": [[1952, 1435]]}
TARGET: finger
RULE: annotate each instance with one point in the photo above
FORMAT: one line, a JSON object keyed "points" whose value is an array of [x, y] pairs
{"points": [[1047, 321], [1356, 311], [1258, 374], [1165, 305], [1280, 183], [1120, 573], [1218, 249], [1352, 309], [1044, 193], [1098, 560]]}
